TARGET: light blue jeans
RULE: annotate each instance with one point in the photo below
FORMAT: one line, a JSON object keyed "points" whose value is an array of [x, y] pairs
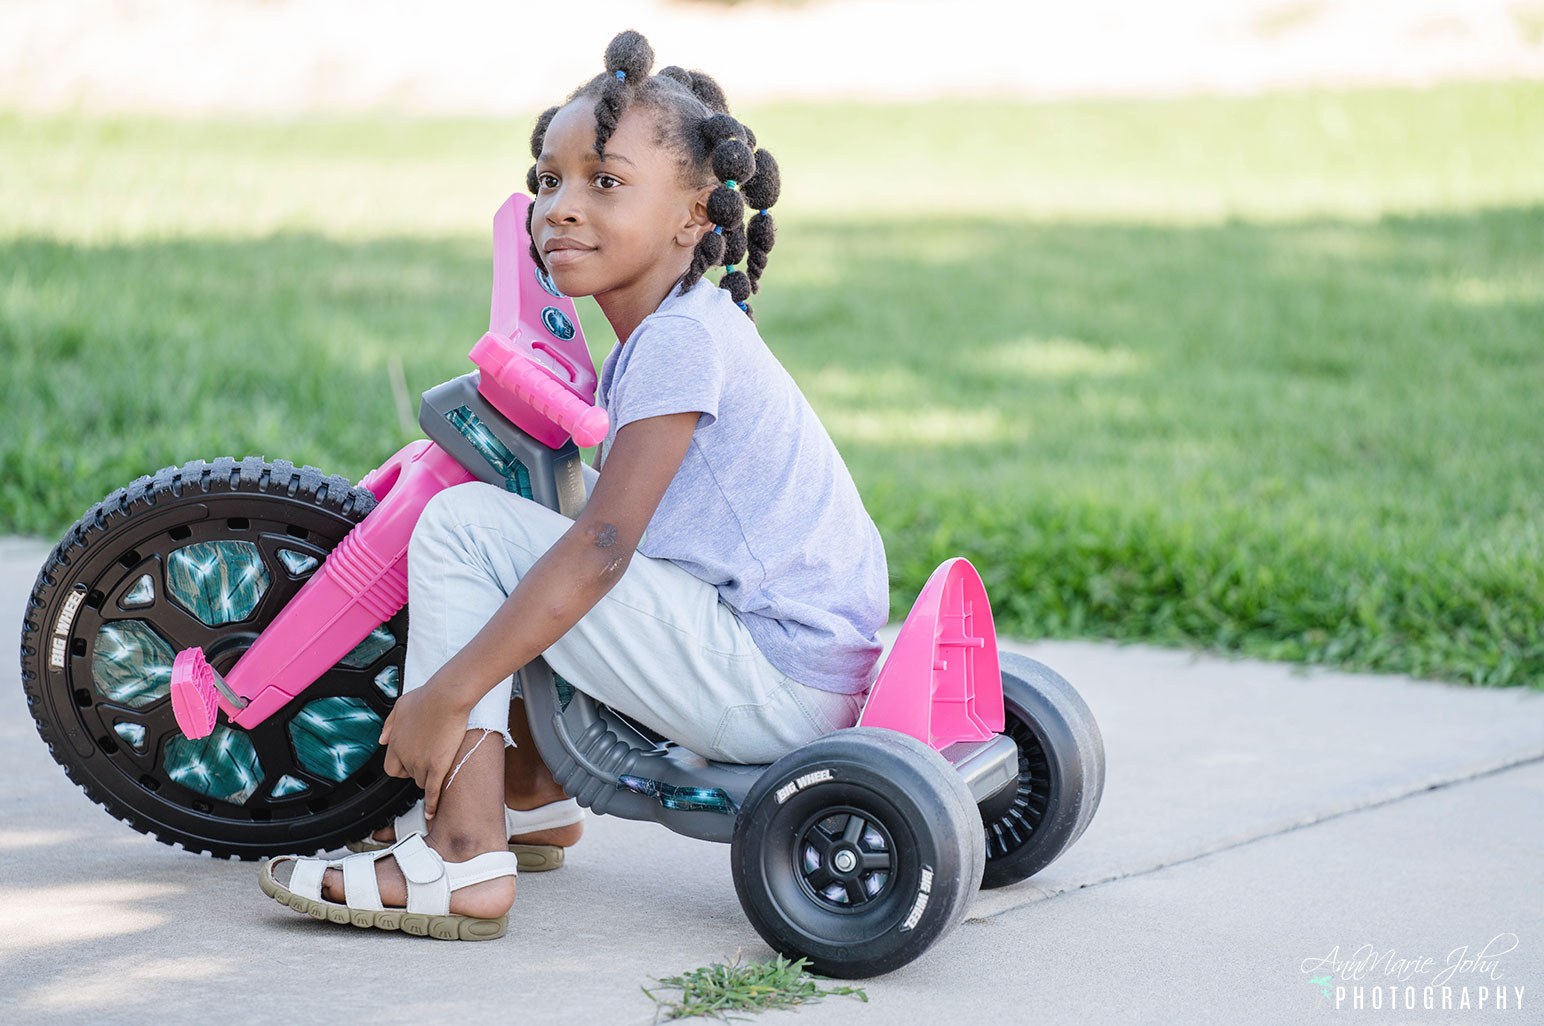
{"points": [[659, 647]]}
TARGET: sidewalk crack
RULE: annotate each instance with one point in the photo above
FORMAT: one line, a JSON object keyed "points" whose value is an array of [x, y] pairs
{"points": [[1046, 894]]}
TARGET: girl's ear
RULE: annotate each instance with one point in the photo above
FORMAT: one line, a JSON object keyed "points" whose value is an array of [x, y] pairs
{"points": [[697, 224]]}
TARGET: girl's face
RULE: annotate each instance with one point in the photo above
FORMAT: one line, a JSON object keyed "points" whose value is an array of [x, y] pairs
{"points": [[623, 222]]}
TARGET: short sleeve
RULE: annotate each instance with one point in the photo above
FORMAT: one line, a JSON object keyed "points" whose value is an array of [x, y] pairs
{"points": [[674, 367]]}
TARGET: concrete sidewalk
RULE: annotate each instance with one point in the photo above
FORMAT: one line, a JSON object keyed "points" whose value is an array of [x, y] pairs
{"points": [[1255, 818]]}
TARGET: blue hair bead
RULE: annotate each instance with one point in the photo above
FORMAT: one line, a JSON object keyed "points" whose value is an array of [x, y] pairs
{"points": [[731, 183], [718, 229], [744, 306], [729, 269], [621, 76], [763, 210]]}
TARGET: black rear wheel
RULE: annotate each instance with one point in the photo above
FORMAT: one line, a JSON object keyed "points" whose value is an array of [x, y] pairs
{"points": [[1061, 773], [206, 555]]}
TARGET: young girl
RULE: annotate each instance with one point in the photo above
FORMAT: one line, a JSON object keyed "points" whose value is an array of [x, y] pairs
{"points": [[745, 624]]}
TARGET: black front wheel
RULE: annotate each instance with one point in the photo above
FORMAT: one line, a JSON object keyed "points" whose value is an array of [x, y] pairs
{"points": [[205, 555]]}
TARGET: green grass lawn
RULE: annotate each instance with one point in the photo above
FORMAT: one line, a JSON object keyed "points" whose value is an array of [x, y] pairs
{"points": [[1257, 374]]}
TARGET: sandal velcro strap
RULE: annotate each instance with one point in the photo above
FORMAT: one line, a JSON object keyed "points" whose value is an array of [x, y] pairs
{"points": [[428, 889], [360, 889], [420, 863], [306, 877]]}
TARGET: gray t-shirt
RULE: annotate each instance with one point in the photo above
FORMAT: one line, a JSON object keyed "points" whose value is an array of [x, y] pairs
{"points": [[763, 506]]}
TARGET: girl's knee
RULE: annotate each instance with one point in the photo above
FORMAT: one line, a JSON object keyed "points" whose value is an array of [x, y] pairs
{"points": [[440, 525], [483, 524], [453, 507]]}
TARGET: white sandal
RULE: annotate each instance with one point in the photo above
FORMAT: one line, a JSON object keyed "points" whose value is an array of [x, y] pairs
{"points": [[534, 858], [430, 882]]}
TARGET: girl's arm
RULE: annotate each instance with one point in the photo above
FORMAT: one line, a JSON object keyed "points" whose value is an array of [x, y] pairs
{"points": [[427, 724]]}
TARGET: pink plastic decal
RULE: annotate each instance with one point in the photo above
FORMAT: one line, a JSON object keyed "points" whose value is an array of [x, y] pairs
{"points": [[194, 699], [362, 583], [536, 369], [941, 683]]}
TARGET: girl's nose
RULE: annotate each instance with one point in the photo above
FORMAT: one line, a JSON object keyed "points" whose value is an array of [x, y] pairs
{"points": [[562, 210]]}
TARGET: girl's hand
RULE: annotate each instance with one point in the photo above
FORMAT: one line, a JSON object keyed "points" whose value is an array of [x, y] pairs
{"points": [[422, 734], [426, 728]]}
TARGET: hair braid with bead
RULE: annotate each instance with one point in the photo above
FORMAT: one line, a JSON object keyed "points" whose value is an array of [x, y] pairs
{"points": [[694, 121]]}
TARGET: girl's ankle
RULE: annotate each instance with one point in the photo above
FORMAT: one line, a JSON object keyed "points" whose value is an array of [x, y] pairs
{"points": [[459, 847], [534, 798]]}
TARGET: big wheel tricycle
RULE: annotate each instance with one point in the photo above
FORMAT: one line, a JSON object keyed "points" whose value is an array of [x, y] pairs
{"points": [[211, 651]]}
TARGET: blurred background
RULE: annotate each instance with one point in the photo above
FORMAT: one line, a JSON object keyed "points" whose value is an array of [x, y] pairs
{"points": [[1204, 323]]}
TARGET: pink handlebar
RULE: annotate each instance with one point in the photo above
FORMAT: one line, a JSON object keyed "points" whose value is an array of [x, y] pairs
{"points": [[539, 389]]}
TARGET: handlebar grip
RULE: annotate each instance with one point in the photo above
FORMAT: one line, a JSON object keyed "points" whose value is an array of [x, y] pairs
{"points": [[536, 386]]}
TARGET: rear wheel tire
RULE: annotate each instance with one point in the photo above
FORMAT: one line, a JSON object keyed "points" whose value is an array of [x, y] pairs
{"points": [[1061, 773], [206, 555]]}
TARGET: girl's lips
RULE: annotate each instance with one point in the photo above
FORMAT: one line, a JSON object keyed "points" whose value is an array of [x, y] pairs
{"points": [[564, 256]]}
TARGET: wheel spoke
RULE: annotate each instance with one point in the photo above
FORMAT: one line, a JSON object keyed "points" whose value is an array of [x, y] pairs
{"points": [[339, 680], [347, 682], [281, 588], [821, 841], [273, 749], [820, 877], [853, 832], [856, 895], [874, 860], [161, 727], [177, 626], [158, 722]]}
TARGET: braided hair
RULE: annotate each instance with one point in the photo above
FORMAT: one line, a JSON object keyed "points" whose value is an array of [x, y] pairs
{"points": [[695, 122]]}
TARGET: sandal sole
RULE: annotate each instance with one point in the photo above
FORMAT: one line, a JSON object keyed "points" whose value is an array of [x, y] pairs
{"points": [[538, 858], [448, 927], [533, 858]]}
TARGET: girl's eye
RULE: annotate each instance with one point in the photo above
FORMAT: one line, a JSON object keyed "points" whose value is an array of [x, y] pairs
{"points": [[607, 182], [547, 181]]}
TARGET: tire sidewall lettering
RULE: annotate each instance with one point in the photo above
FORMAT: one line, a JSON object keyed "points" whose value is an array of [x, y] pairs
{"points": [[63, 624], [804, 780]]}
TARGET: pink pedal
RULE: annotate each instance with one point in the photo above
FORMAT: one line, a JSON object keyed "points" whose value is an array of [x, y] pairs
{"points": [[194, 699]]}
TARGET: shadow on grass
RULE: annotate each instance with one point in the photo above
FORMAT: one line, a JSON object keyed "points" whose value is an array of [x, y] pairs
{"points": [[1309, 440]]}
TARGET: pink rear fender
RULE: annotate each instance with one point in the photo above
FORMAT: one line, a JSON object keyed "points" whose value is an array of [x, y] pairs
{"points": [[362, 584], [941, 682]]}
